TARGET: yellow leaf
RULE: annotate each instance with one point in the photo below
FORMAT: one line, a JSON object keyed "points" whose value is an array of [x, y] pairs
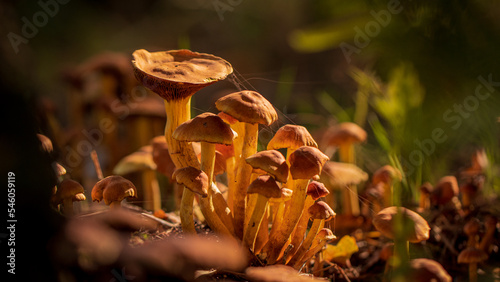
{"points": [[343, 250]]}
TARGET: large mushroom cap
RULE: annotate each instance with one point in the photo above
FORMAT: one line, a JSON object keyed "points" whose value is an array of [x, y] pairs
{"points": [[306, 162], [291, 136], [192, 178], [321, 210], [247, 106], [272, 162], [345, 133], [384, 222], [206, 127], [181, 72], [423, 270], [265, 185]]}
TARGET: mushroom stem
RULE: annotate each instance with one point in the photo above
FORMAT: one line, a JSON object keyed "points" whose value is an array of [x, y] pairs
{"points": [[278, 217], [255, 221], [317, 225], [318, 243], [243, 177], [186, 211], [115, 205], [151, 190], [68, 207], [230, 170], [221, 208], [472, 272], [263, 233], [293, 212], [301, 227], [347, 155]]}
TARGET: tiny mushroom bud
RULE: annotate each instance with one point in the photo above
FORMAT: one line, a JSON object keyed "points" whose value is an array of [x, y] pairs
{"points": [[68, 191], [113, 189], [265, 187]]}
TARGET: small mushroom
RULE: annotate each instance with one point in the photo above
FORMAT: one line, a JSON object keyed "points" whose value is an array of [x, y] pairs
{"points": [[472, 256], [423, 270], [68, 191], [425, 192], [471, 229], [197, 182], [265, 187], [444, 191], [387, 175], [113, 190]]}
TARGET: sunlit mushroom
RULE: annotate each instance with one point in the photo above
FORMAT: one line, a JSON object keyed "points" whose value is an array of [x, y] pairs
{"points": [[68, 191], [113, 190]]}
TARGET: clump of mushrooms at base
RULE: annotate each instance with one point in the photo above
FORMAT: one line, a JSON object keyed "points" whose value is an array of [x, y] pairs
{"points": [[258, 178]]}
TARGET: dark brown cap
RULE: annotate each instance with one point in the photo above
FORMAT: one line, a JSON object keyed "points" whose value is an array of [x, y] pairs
{"points": [[345, 133], [317, 190], [321, 210], [69, 189], [248, 106]]}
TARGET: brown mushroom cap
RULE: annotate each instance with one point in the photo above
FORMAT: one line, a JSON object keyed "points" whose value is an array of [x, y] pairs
{"points": [[317, 190], [69, 189], [272, 162], [384, 223], [337, 174], [386, 174], [181, 70], [321, 210], [266, 186], [247, 106], [286, 194], [192, 178], [306, 162], [423, 270], [46, 143], [291, 136], [326, 234], [445, 190], [472, 255], [113, 188], [206, 127], [161, 157], [345, 133]]}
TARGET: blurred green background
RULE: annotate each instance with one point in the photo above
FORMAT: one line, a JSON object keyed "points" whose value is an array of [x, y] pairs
{"points": [[402, 69]]}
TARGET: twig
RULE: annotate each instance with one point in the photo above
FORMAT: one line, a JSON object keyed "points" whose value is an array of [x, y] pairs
{"points": [[95, 160]]}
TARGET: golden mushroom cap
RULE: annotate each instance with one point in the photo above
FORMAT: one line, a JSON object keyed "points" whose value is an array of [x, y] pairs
{"points": [[321, 210], [192, 178], [423, 270], [345, 133], [306, 162], [69, 189], [178, 74], [317, 190], [384, 222], [247, 106], [291, 136], [206, 127], [266, 186], [272, 162]]}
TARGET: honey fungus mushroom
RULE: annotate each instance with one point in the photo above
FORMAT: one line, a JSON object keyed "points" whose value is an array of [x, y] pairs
{"points": [[68, 191], [113, 190]]}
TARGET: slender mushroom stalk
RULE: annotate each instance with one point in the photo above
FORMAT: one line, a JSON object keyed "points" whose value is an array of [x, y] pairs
{"points": [[175, 76], [320, 240], [227, 152], [113, 189], [472, 256], [265, 187], [250, 108], [69, 191], [319, 212], [209, 129], [197, 181], [278, 205], [403, 226], [344, 136], [305, 163], [315, 191], [445, 190], [142, 161]]}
